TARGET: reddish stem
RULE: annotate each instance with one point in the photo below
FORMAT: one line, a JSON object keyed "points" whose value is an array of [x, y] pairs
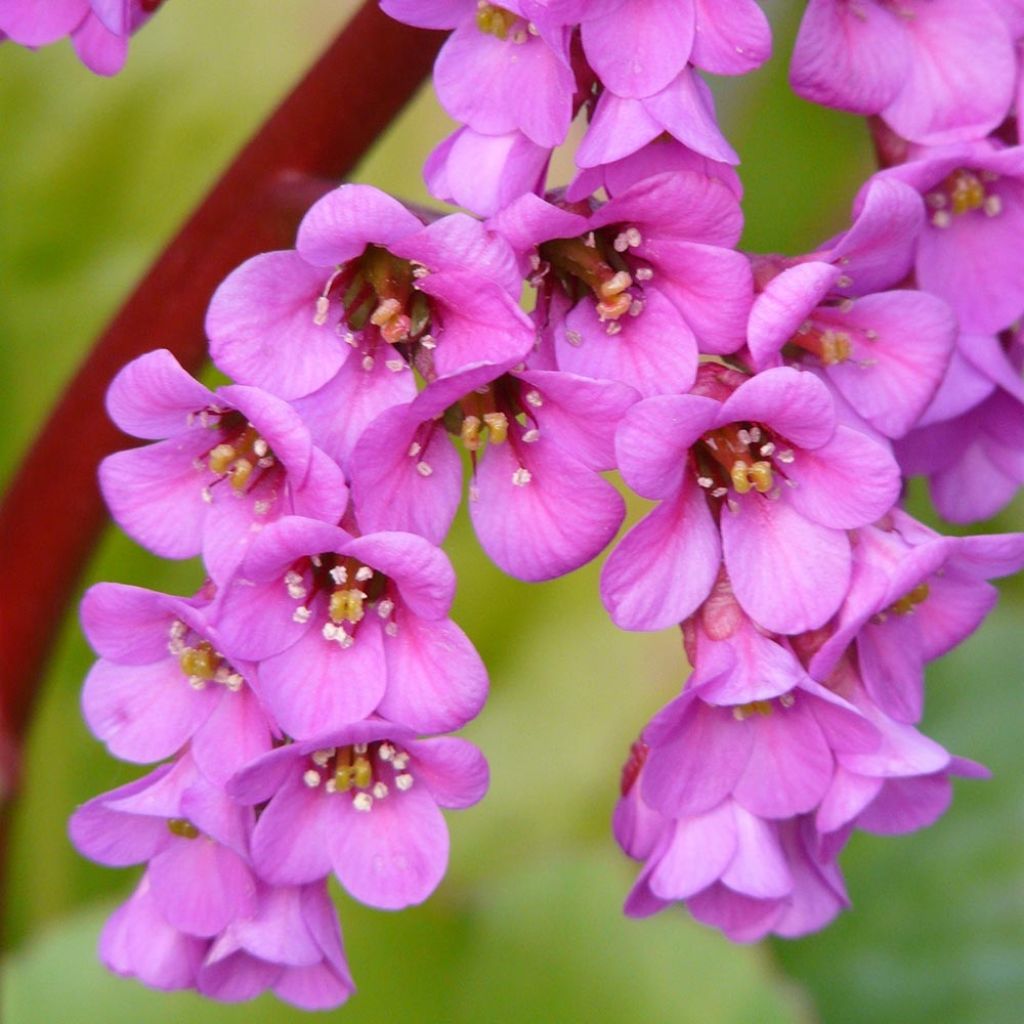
{"points": [[53, 513]]}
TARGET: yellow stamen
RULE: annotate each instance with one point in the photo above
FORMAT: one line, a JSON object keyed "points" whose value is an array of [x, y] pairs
{"points": [[755, 707], [199, 662], [906, 604], [494, 21], [241, 470], [220, 458], [347, 606], [182, 827], [497, 425], [966, 191], [363, 772], [760, 474], [740, 475], [835, 347], [469, 432]]}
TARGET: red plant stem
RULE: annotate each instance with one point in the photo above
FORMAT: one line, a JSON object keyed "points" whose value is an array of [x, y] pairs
{"points": [[53, 513]]}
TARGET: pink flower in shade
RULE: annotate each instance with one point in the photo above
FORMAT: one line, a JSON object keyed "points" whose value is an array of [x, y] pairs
{"points": [[968, 253], [684, 110], [914, 595], [885, 353], [225, 463], [137, 942], [752, 471], [369, 286], [498, 73], [99, 29], [661, 156], [195, 839], [484, 173], [364, 802], [629, 292], [936, 70], [291, 945], [735, 870], [640, 46], [537, 501], [970, 442], [342, 626], [161, 682]]}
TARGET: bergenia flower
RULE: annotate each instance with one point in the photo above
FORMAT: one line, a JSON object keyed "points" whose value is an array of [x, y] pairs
{"points": [[936, 70], [363, 802], [537, 501], [291, 945], [368, 282], [226, 462], [342, 626], [99, 29], [195, 839], [762, 462], [161, 682]]}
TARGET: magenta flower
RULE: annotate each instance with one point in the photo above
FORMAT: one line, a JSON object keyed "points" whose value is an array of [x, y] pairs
{"points": [[137, 942], [369, 283], [291, 944], [364, 802], [629, 292], [229, 462], [886, 353], [195, 839], [914, 595], [970, 443], [342, 626], [99, 29], [734, 870], [937, 71], [161, 682], [967, 253], [537, 501], [763, 464]]}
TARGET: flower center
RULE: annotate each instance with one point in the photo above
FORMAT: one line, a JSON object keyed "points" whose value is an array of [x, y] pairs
{"points": [[741, 457], [241, 457], [182, 827], [349, 588], [199, 661], [496, 21], [963, 191], [603, 264], [369, 771]]}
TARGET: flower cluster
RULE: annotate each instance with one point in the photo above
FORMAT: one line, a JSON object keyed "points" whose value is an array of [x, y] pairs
{"points": [[769, 406], [99, 29]]}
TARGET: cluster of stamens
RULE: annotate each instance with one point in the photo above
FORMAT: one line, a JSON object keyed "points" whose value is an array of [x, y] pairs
{"points": [[598, 262], [368, 771], [962, 192], [200, 662], [763, 708], [501, 23], [505, 411], [738, 457], [378, 289], [349, 587], [832, 345], [906, 605], [240, 457]]}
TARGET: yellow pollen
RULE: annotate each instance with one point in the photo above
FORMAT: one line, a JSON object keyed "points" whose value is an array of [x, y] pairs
{"points": [[469, 432], [363, 772], [760, 474], [220, 458], [966, 192], [615, 285], [347, 606], [497, 425], [240, 473], [906, 604], [755, 707], [199, 662], [182, 827], [835, 347], [494, 21], [740, 474]]}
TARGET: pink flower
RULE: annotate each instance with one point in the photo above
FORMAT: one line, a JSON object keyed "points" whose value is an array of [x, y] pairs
{"points": [[936, 70], [754, 471], [99, 29], [225, 464], [195, 839], [161, 682], [364, 802], [537, 501], [342, 626]]}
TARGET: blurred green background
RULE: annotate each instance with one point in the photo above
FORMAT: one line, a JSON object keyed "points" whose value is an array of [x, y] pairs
{"points": [[94, 177]]}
